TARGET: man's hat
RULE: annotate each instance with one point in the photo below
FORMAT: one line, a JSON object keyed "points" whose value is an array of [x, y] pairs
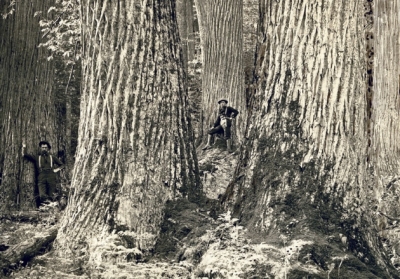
{"points": [[223, 100], [45, 142]]}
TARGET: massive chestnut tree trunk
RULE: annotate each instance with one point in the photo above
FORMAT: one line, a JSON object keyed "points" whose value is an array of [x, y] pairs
{"points": [[135, 147], [305, 171], [384, 54], [221, 35], [27, 110]]}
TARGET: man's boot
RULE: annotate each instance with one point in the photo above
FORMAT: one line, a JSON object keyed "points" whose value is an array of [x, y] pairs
{"points": [[229, 145], [208, 145]]}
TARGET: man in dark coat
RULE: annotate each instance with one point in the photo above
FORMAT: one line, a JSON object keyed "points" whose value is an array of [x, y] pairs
{"points": [[44, 163], [223, 124]]}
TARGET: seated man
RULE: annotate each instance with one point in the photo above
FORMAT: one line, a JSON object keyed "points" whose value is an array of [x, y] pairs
{"points": [[223, 124]]}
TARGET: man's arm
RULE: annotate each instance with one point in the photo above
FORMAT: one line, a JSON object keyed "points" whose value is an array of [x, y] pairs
{"points": [[233, 112], [59, 163], [27, 156]]}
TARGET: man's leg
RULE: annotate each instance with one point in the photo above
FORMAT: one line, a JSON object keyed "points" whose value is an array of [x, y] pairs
{"points": [[51, 183], [208, 145], [229, 145], [42, 186], [227, 133], [211, 132]]}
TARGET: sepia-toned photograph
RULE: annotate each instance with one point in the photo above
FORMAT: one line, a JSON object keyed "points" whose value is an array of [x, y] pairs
{"points": [[200, 139]]}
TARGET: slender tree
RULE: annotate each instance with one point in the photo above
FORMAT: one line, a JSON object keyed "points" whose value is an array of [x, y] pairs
{"points": [[304, 170], [186, 24], [221, 35], [135, 147], [250, 36], [189, 36], [27, 111]]}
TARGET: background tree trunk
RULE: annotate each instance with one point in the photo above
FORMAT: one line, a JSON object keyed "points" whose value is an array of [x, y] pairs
{"points": [[250, 35], [27, 111], [186, 19], [190, 41], [135, 148], [221, 35], [67, 104], [303, 171]]}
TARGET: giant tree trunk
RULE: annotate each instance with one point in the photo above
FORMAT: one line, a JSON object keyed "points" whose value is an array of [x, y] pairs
{"points": [[135, 148], [385, 86], [384, 54], [27, 111], [221, 38], [304, 168]]}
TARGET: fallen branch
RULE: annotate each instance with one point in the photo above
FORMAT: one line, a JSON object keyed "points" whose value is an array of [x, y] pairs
{"points": [[25, 216], [390, 218], [24, 252], [392, 182]]}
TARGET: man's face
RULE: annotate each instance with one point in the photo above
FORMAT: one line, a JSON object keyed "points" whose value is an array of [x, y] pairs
{"points": [[222, 104], [44, 148]]}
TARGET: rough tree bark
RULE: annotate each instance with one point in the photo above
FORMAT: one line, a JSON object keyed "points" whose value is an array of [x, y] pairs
{"points": [[135, 147], [250, 36], [384, 54], [27, 111], [189, 36], [221, 35], [304, 171], [385, 86]]}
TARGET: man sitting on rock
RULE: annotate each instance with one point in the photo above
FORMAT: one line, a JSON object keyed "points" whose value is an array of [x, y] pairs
{"points": [[223, 124]]}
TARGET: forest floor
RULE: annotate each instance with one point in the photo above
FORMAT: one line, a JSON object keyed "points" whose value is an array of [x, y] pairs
{"points": [[196, 241], [26, 236]]}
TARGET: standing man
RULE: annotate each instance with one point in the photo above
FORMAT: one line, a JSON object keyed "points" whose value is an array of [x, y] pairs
{"points": [[44, 163], [223, 124]]}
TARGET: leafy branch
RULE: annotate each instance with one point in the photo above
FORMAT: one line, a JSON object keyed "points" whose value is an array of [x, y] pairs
{"points": [[10, 9], [62, 34]]}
